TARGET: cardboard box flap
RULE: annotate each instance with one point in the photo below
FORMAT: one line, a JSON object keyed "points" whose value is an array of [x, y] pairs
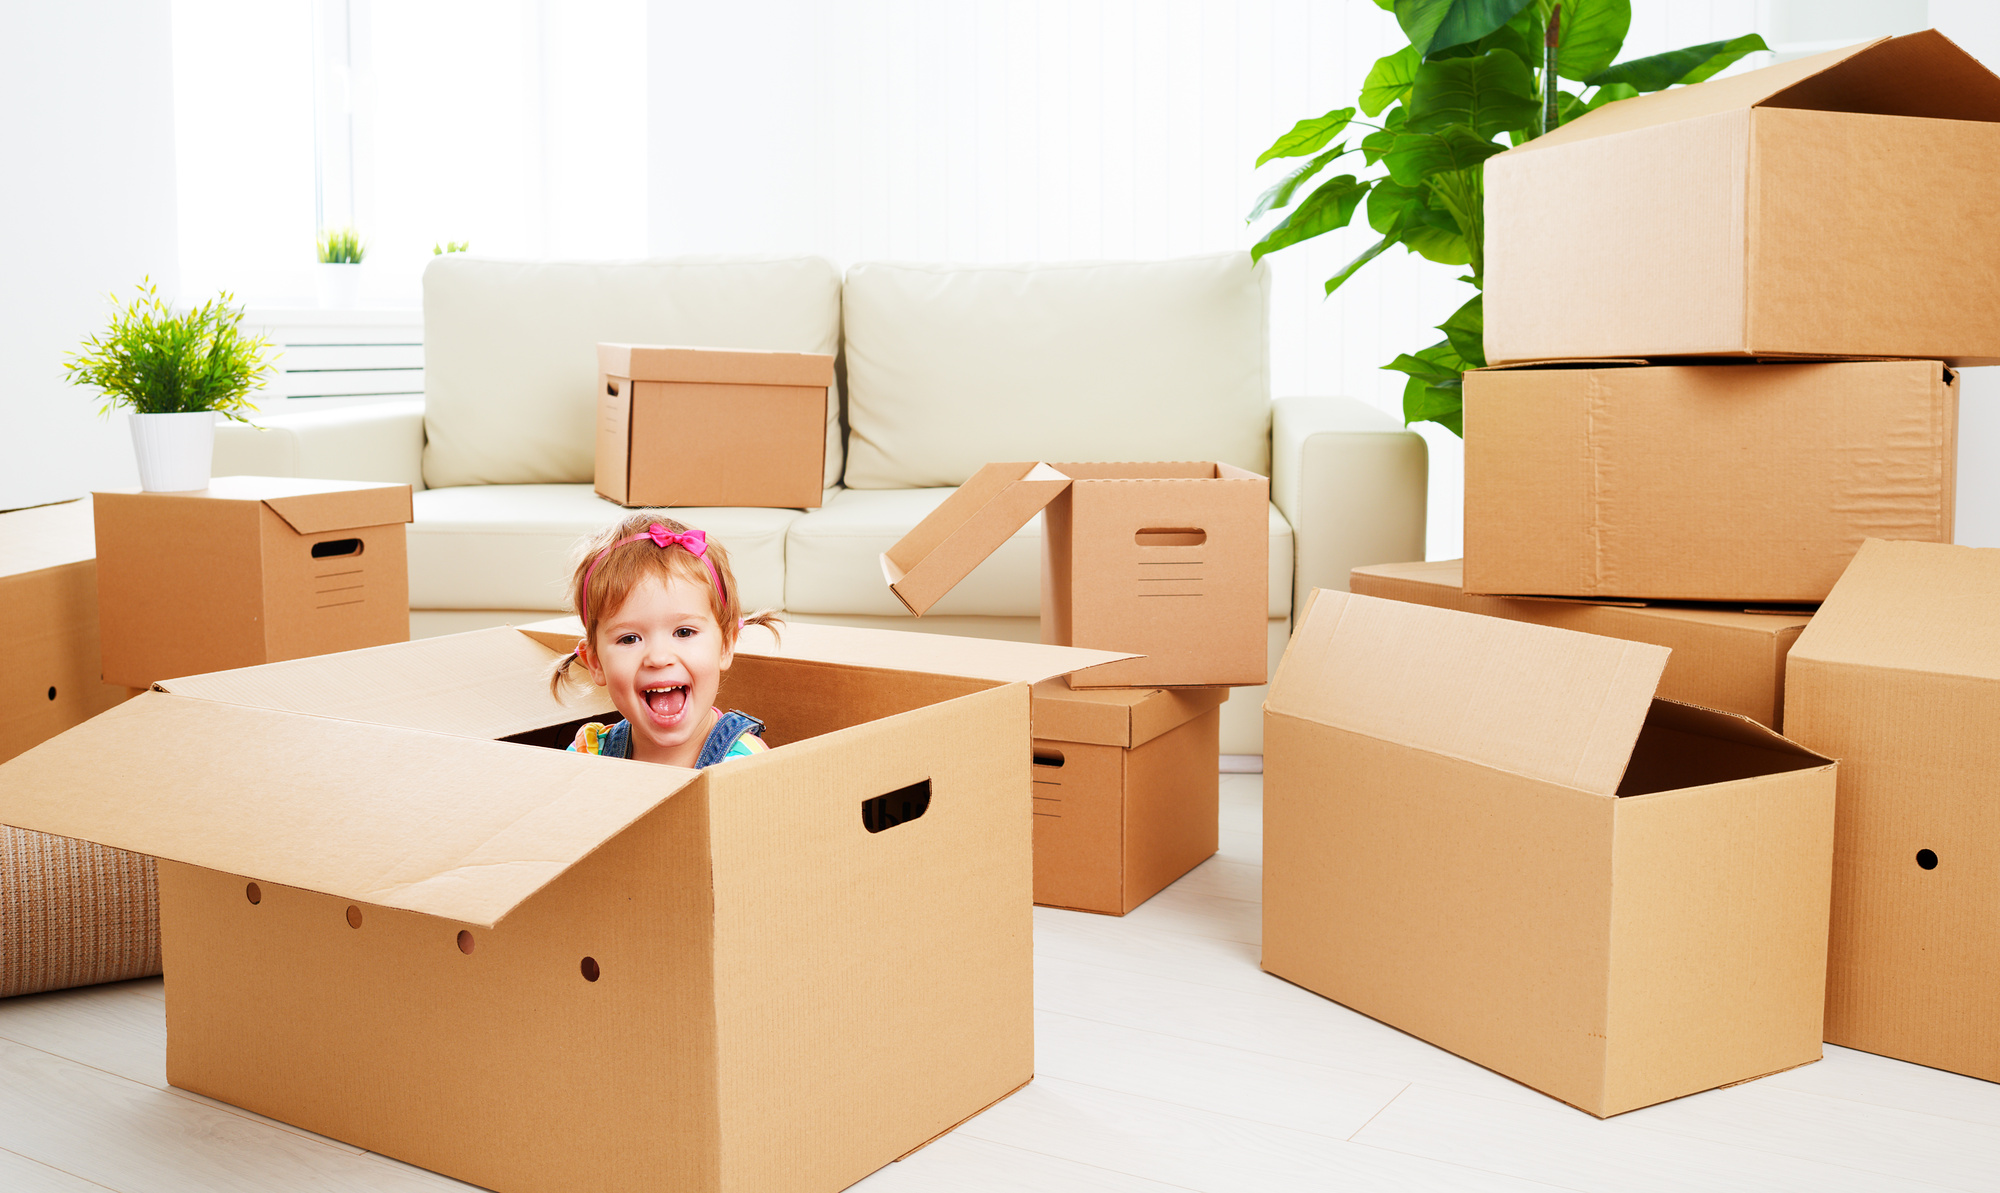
{"points": [[1927, 607], [317, 513], [1546, 703], [981, 514], [451, 827], [1123, 717], [715, 366], [487, 683], [46, 536]]}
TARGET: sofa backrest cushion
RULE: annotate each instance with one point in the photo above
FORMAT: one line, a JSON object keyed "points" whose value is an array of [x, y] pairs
{"points": [[951, 367], [510, 349]]}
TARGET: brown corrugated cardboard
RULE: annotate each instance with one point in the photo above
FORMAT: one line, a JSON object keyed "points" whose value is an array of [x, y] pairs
{"points": [[1135, 557], [251, 570], [711, 427], [1739, 483], [1836, 205], [1125, 791], [1492, 836], [48, 626], [1899, 677], [1724, 659], [540, 970]]}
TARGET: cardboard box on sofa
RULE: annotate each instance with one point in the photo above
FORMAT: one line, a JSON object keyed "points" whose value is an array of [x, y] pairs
{"points": [[1899, 677], [1836, 205], [252, 569], [1126, 783], [48, 626], [1165, 560], [711, 426], [1738, 482], [1726, 659], [1492, 836], [391, 917]]}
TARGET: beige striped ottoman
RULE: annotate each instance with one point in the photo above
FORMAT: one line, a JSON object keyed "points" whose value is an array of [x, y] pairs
{"points": [[73, 913]]}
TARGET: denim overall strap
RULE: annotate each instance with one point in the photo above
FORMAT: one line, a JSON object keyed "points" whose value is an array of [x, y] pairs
{"points": [[616, 741], [728, 727]]}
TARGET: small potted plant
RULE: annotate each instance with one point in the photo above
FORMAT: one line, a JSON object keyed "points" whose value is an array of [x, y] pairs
{"points": [[340, 254], [176, 372]]}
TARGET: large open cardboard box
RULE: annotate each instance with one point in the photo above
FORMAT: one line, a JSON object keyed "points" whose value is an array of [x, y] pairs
{"points": [[48, 626], [712, 426], [1491, 835], [1738, 482], [1723, 658], [252, 569], [1899, 677], [1126, 781], [1836, 205], [391, 916], [1169, 561]]}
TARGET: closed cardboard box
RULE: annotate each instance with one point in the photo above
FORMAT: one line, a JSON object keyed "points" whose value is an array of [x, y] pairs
{"points": [[682, 427], [1899, 677], [1836, 205], [253, 569], [1727, 659], [1168, 560], [48, 626], [1492, 836], [397, 921], [1125, 791], [1737, 483]]}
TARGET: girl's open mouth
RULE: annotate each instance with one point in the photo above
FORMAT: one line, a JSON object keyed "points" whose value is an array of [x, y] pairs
{"points": [[667, 702]]}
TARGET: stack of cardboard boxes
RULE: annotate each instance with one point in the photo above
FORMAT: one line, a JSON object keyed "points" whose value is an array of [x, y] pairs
{"points": [[1723, 325]]}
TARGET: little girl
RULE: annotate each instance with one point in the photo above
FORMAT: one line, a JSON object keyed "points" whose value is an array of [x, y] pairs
{"points": [[660, 619]]}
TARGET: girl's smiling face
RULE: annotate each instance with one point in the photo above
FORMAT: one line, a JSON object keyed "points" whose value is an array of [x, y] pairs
{"points": [[662, 656]]}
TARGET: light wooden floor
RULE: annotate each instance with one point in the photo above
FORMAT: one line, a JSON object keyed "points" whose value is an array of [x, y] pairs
{"points": [[1166, 1061]]}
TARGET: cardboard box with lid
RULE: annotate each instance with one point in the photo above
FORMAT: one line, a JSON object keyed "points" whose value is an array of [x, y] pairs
{"points": [[1899, 677], [1731, 660], [253, 569], [401, 922], [1170, 561], [1493, 836], [1731, 482], [1835, 205], [682, 427], [48, 625]]}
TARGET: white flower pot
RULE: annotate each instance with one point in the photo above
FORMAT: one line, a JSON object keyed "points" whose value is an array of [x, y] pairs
{"points": [[340, 285], [175, 450]]}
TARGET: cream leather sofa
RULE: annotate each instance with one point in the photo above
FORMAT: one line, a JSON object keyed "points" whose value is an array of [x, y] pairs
{"points": [[944, 368]]}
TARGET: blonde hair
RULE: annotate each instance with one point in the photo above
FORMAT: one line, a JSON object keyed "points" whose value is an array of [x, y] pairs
{"points": [[608, 569]]}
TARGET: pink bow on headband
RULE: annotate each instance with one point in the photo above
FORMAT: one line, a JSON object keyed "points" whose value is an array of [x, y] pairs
{"points": [[694, 542]]}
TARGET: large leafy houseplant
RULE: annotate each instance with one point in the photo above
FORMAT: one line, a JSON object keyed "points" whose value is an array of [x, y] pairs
{"points": [[1477, 77], [159, 361]]}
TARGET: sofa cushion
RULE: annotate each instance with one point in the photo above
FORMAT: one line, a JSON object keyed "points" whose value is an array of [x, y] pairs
{"points": [[510, 349], [514, 546], [949, 368], [833, 560]]}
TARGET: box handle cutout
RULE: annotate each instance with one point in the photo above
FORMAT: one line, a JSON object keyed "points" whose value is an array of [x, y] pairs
{"points": [[52, 692], [353, 916], [611, 389], [465, 942], [253, 892], [590, 970], [1048, 758], [334, 548], [1171, 536], [1927, 859], [900, 806]]}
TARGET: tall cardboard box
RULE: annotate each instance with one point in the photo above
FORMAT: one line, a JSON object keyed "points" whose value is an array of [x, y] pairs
{"points": [[1727, 659], [251, 570], [1491, 835], [1739, 483], [1899, 677], [712, 426], [48, 626], [1170, 561], [398, 923], [1837, 205], [1126, 781]]}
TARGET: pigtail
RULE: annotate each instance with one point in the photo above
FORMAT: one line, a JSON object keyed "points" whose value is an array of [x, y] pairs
{"points": [[560, 678], [768, 618]]}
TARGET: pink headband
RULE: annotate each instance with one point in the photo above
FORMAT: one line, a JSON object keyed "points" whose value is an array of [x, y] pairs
{"points": [[694, 541]]}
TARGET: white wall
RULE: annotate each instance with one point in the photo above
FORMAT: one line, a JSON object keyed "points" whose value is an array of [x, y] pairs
{"points": [[87, 208]]}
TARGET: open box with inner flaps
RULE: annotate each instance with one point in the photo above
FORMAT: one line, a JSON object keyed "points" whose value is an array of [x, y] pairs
{"points": [[388, 920]]}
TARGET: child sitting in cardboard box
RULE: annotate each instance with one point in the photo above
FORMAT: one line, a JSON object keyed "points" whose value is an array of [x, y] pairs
{"points": [[660, 619]]}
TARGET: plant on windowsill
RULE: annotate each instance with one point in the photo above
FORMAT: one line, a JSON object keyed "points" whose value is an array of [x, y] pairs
{"points": [[1476, 77], [450, 246], [176, 372], [340, 254]]}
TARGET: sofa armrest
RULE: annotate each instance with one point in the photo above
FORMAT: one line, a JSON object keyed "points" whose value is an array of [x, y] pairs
{"points": [[1352, 482], [383, 441]]}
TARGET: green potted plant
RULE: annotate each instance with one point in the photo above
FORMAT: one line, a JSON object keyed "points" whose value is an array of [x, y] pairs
{"points": [[176, 372], [340, 254]]}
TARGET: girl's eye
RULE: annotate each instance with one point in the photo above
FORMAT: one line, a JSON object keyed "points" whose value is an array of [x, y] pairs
{"points": [[686, 631], [627, 639]]}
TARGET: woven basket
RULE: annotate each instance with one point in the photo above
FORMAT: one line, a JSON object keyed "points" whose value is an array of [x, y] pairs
{"points": [[73, 913]]}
